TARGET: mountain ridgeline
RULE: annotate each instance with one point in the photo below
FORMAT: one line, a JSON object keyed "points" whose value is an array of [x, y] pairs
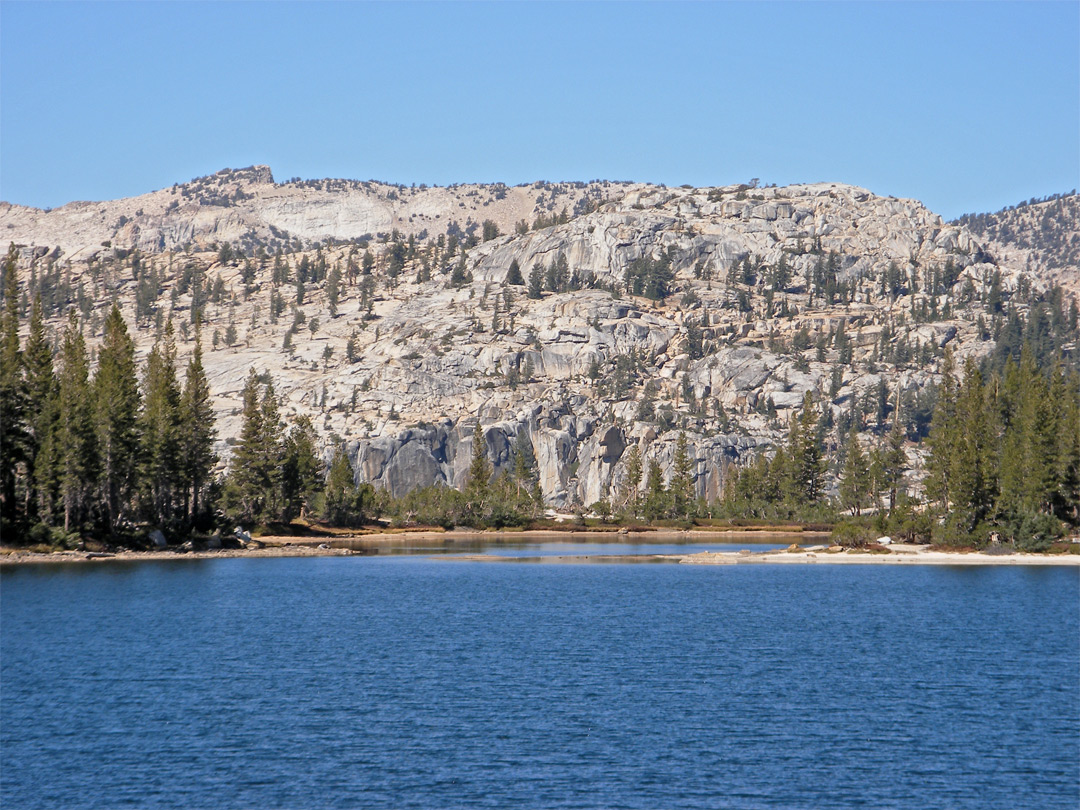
{"points": [[475, 353]]}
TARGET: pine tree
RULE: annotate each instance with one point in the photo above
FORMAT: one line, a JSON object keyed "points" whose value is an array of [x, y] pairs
{"points": [[855, 478], [339, 488], [1065, 393], [41, 388], [197, 433], [478, 478], [894, 460], [333, 291], [1021, 463], [245, 492], [13, 403], [271, 450], [302, 476], [804, 447], [525, 474], [656, 500], [536, 282], [681, 489], [160, 428], [513, 275], [942, 437], [633, 478], [972, 464], [116, 411], [75, 428]]}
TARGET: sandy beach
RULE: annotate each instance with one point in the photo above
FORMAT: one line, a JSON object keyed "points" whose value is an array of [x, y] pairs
{"points": [[898, 554]]}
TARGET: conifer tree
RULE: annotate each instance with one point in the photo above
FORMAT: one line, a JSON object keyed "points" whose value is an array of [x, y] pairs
{"points": [[974, 463], [340, 492], [301, 477], [41, 389], [1065, 392], [246, 488], [197, 433], [161, 470], [333, 290], [116, 410], [656, 495], [681, 488], [943, 433], [13, 403], [1029, 439], [855, 478], [525, 475], [633, 478], [894, 460], [478, 478], [804, 447], [536, 282], [75, 428], [513, 275], [271, 450]]}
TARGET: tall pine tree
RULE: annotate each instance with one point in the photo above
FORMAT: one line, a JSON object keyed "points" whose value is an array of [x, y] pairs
{"points": [[12, 398], [75, 436], [160, 427], [116, 410], [41, 389], [197, 434], [855, 478]]}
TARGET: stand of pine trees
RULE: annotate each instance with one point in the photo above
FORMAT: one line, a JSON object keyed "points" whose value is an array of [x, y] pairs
{"points": [[1004, 457], [99, 455], [1003, 465]]}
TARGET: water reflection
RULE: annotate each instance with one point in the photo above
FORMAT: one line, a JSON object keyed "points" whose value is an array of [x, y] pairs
{"points": [[573, 544]]}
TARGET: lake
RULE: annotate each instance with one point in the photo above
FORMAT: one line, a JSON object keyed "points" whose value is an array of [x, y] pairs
{"points": [[406, 681]]}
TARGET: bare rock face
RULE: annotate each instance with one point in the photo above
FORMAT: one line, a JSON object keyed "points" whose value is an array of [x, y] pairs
{"points": [[408, 360], [246, 207]]}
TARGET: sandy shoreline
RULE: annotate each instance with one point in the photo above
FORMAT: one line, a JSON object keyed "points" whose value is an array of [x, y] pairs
{"points": [[371, 544], [897, 555]]}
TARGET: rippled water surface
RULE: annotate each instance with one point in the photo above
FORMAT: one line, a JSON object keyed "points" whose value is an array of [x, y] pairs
{"points": [[413, 682]]}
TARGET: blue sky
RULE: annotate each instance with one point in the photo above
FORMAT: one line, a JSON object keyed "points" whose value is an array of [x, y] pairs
{"points": [[966, 106]]}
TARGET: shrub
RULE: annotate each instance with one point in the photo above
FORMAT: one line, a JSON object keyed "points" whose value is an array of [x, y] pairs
{"points": [[852, 534]]}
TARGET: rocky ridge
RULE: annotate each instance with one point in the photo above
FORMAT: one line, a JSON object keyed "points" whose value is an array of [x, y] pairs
{"points": [[583, 373]]}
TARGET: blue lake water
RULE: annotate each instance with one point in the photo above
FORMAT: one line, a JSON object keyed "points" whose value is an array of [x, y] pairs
{"points": [[401, 681]]}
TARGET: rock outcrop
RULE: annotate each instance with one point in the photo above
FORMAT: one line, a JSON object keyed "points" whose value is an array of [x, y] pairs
{"points": [[776, 293]]}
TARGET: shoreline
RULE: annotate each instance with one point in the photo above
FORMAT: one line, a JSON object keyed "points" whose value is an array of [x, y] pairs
{"points": [[370, 545], [898, 554]]}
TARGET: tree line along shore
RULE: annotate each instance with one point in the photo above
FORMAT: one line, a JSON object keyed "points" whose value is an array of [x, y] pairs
{"points": [[106, 457]]}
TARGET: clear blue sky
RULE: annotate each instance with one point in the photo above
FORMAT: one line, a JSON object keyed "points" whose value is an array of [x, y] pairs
{"points": [[967, 106]]}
